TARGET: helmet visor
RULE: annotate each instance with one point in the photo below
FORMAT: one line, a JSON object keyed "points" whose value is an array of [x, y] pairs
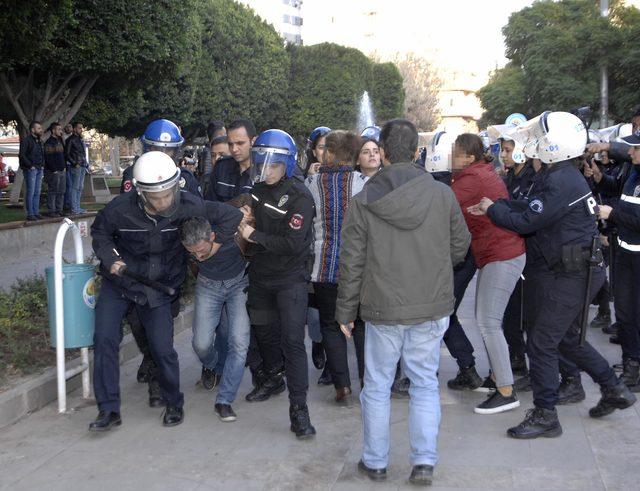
{"points": [[163, 202], [268, 164]]}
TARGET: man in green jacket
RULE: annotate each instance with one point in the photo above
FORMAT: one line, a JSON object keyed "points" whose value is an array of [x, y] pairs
{"points": [[401, 238]]}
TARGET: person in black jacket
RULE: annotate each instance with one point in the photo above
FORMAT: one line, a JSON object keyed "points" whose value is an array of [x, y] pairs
{"points": [[31, 158], [55, 170], [76, 154], [279, 272], [139, 232]]}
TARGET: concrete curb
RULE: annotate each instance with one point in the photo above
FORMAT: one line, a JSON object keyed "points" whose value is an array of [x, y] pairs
{"points": [[37, 391]]}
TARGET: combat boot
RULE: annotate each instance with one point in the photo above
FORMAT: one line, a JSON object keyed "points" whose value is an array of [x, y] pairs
{"points": [[466, 379], [273, 385], [601, 320], [300, 422], [538, 422], [613, 397], [155, 394], [630, 372], [570, 391]]}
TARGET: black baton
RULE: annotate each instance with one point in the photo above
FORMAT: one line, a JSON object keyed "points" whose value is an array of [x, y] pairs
{"points": [[593, 261], [156, 285]]}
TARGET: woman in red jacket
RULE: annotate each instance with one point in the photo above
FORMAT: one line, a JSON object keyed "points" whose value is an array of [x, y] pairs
{"points": [[500, 256]]}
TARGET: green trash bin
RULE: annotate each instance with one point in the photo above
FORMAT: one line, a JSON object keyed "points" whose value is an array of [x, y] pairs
{"points": [[79, 300]]}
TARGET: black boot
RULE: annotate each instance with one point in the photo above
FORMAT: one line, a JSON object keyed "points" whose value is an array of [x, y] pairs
{"points": [[538, 422], [155, 394], [570, 391], [630, 372], [466, 379], [300, 422], [601, 320], [258, 376], [172, 416], [523, 384], [145, 369], [105, 421], [613, 397], [518, 365], [615, 339], [272, 386], [317, 355], [400, 388], [612, 329], [325, 377]]}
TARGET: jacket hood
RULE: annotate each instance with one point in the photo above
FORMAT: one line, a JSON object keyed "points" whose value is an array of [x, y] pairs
{"points": [[400, 195]]}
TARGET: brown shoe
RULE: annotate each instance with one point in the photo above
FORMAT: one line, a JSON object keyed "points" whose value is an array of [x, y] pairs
{"points": [[342, 394]]}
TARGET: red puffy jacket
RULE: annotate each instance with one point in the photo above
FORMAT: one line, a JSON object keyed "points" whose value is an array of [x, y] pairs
{"points": [[489, 243]]}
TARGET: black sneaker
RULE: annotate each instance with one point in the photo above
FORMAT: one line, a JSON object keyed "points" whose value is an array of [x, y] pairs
{"points": [[497, 403], [466, 379], [300, 422], [487, 386], [225, 413], [617, 397], [570, 391], [421, 475], [373, 474], [400, 388], [523, 384], [172, 416], [209, 379], [601, 320], [538, 422]]}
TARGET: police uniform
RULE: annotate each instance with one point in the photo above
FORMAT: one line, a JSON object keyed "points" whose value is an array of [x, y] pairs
{"points": [[150, 246], [561, 213], [278, 278], [227, 182], [518, 184]]}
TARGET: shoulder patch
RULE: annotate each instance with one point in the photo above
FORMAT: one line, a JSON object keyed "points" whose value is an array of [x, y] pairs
{"points": [[536, 206], [127, 186], [296, 221]]}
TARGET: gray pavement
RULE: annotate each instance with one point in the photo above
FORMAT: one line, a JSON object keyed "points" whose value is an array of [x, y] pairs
{"points": [[47, 450]]}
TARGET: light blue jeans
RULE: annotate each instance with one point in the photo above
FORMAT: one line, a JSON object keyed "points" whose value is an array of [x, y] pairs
{"points": [[210, 298], [77, 183], [33, 180], [419, 346]]}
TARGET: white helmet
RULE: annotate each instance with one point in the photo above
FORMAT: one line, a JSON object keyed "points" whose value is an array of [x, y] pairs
{"points": [[504, 132], [439, 152], [552, 137], [615, 132], [155, 172]]}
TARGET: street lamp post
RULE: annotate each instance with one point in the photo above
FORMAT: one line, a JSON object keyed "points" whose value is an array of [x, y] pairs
{"points": [[604, 79]]}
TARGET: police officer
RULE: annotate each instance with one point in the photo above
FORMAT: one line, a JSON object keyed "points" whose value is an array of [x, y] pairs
{"points": [[164, 136], [562, 216], [139, 231], [231, 175], [279, 269], [627, 260]]}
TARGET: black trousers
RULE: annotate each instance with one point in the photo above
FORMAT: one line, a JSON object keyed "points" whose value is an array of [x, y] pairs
{"points": [[627, 302], [513, 322], [278, 317], [334, 342], [455, 338], [556, 300]]}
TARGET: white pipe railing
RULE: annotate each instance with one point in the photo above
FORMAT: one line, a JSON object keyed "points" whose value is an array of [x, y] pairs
{"points": [[62, 374]]}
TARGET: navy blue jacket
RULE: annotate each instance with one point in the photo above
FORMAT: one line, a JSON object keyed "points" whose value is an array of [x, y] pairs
{"points": [[627, 213], [561, 211], [226, 182], [149, 246], [31, 153], [518, 185]]}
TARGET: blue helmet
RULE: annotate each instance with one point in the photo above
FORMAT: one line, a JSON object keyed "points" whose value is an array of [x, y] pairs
{"points": [[270, 148], [371, 132], [162, 133], [317, 133]]}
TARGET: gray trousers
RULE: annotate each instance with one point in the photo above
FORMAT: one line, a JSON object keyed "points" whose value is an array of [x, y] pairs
{"points": [[494, 286], [57, 185]]}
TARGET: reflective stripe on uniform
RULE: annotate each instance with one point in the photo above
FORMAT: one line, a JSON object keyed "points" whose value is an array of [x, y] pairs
{"points": [[630, 199], [629, 247]]}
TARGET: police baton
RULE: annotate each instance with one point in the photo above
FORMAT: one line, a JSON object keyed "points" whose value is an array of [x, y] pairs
{"points": [[595, 258], [156, 285]]}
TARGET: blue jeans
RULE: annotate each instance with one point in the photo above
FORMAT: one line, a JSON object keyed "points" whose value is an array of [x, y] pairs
{"points": [[33, 180], [313, 325], [419, 346], [67, 193], [211, 296], [77, 183]]}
